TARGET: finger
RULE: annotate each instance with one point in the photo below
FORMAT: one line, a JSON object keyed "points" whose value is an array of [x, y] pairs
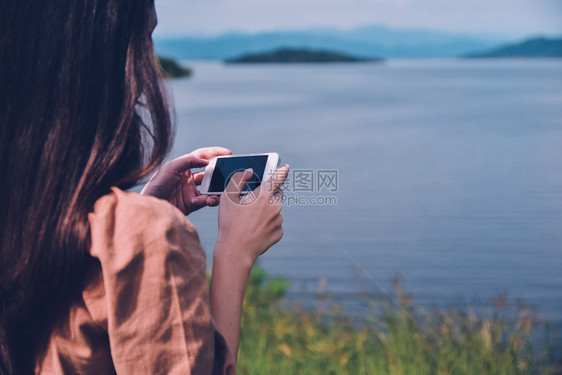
{"points": [[198, 177], [205, 200], [277, 197], [236, 184], [275, 182], [213, 201], [198, 202], [209, 152], [185, 162]]}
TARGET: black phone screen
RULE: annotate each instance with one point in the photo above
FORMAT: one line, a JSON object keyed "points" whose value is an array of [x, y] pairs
{"points": [[226, 167]]}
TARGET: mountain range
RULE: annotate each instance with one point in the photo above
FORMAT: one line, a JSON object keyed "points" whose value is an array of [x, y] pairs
{"points": [[536, 47], [366, 42]]}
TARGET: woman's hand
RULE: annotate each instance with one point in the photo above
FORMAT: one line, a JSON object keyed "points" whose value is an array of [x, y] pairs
{"points": [[249, 225], [175, 182]]}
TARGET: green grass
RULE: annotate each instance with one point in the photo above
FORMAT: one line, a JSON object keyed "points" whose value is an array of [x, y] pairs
{"points": [[395, 340]]}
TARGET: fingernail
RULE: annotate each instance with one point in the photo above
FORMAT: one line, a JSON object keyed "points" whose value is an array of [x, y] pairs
{"points": [[250, 170], [194, 200]]}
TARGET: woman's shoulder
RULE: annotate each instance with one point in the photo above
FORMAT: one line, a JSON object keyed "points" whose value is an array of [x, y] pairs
{"points": [[146, 291], [125, 223]]}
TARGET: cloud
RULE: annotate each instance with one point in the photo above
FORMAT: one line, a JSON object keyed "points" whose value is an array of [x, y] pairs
{"points": [[510, 17]]}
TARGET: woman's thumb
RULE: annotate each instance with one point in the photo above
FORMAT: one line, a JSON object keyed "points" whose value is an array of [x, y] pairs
{"points": [[237, 183]]}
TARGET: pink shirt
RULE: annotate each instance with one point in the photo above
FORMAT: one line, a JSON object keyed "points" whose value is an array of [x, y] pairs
{"points": [[145, 306]]}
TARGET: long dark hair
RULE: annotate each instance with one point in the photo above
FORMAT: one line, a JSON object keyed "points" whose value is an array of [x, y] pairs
{"points": [[81, 102]]}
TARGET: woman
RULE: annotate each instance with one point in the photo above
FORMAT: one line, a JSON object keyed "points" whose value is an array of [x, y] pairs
{"points": [[94, 279]]}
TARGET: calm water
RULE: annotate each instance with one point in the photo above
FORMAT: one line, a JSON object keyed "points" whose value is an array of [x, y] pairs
{"points": [[451, 175]]}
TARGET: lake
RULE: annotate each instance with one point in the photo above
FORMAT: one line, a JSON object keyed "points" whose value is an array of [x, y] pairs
{"points": [[449, 173]]}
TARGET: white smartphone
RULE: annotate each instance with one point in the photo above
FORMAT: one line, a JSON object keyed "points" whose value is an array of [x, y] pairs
{"points": [[220, 170]]}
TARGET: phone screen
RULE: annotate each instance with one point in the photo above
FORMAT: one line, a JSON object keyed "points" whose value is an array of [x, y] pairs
{"points": [[226, 167]]}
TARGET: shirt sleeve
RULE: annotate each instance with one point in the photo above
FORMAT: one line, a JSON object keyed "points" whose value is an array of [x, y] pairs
{"points": [[155, 284]]}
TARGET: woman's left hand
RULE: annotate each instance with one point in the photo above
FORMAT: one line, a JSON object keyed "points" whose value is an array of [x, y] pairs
{"points": [[175, 182]]}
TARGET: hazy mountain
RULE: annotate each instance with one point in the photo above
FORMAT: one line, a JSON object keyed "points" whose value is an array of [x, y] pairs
{"points": [[370, 41], [537, 47]]}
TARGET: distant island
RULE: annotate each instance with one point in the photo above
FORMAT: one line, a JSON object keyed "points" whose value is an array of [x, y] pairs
{"points": [[174, 69], [295, 55], [537, 47]]}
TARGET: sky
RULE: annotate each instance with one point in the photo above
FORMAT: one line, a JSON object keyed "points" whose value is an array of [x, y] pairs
{"points": [[514, 18]]}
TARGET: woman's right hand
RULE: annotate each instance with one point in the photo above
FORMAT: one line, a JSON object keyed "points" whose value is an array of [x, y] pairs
{"points": [[249, 225]]}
